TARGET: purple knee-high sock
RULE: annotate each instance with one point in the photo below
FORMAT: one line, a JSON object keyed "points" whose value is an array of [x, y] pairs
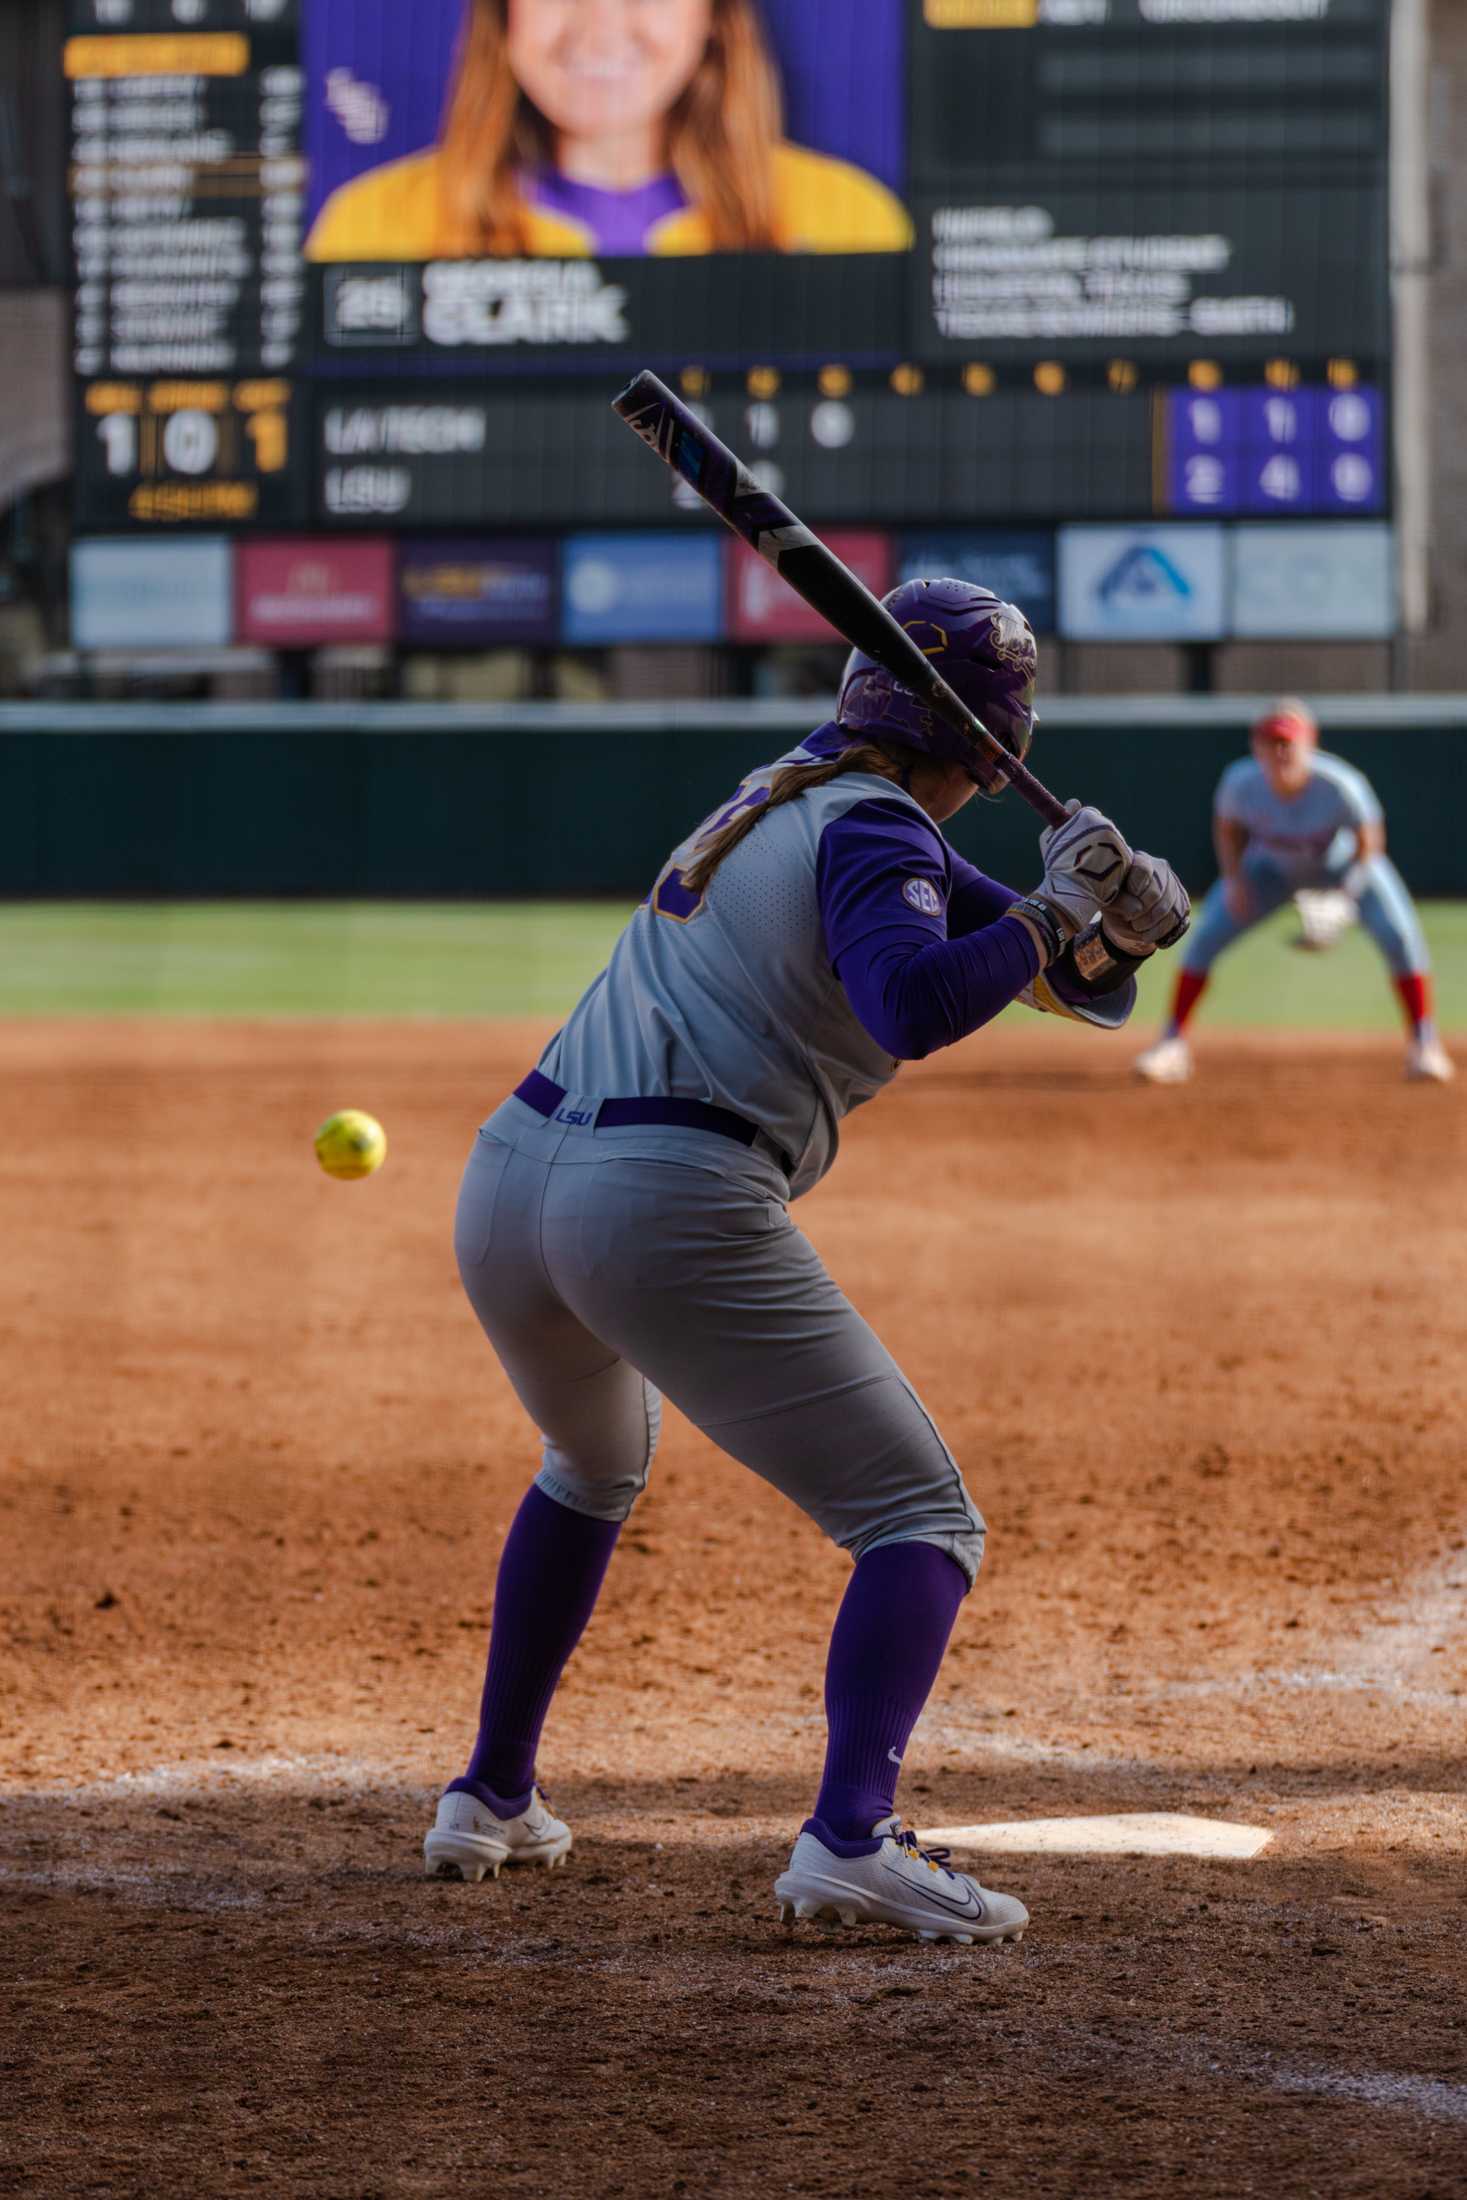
{"points": [[890, 1635], [550, 1572]]}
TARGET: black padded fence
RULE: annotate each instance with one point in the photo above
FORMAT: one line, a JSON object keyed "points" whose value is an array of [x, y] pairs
{"points": [[393, 801]]}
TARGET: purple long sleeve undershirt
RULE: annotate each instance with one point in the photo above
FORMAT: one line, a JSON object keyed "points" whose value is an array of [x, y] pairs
{"points": [[916, 935]]}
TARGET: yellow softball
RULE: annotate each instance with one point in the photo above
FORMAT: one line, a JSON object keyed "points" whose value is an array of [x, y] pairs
{"points": [[351, 1144]]}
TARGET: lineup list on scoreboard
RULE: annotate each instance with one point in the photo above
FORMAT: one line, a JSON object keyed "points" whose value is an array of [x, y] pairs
{"points": [[187, 187], [188, 196]]}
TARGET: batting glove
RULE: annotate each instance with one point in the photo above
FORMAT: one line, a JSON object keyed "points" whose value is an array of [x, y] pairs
{"points": [[1149, 909], [1085, 864]]}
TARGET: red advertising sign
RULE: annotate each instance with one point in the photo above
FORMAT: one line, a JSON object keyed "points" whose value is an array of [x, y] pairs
{"points": [[308, 591], [763, 608]]}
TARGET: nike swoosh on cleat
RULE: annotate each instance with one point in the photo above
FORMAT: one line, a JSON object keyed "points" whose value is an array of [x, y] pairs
{"points": [[970, 1906]]}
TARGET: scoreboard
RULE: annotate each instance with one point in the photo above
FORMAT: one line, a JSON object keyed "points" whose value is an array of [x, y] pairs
{"points": [[1149, 278], [188, 196]]}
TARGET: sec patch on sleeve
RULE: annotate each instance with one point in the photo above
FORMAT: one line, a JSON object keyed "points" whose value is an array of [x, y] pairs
{"points": [[923, 897]]}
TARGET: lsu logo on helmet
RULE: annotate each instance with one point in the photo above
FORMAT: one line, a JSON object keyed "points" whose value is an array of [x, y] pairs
{"points": [[1012, 640]]}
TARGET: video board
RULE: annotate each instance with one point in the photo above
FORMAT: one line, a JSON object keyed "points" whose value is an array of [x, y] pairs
{"points": [[926, 261]]}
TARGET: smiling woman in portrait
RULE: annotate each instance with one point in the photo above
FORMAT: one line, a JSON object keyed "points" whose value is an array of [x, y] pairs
{"points": [[614, 127]]}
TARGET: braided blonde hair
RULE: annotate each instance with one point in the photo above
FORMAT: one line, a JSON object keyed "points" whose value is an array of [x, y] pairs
{"points": [[787, 786]]}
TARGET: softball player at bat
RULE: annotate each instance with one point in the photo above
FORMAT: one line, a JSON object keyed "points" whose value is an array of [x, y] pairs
{"points": [[622, 1229], [1288, 818]]}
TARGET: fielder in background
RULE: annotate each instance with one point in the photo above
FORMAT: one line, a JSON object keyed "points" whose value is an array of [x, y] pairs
{"points": [[623, 1228], [1288, 818]]}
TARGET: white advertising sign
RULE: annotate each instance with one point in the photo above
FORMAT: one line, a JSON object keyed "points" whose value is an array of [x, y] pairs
{"points": [[1142, 584], [1314, 584], [135, 595]]}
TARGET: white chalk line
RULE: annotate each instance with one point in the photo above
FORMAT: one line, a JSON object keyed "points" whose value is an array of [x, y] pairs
{"points": [[1268, 1680], [1436, 2098], [1439, 2100], [198, 1776], [1429, 1616], [180, 1891]]}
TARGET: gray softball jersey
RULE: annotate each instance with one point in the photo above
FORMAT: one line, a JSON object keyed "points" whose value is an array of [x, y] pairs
{"points": [[730, 997]]}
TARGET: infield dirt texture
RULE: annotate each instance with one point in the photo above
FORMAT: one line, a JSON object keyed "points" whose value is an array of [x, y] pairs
{"points": [[1203, 1355]]}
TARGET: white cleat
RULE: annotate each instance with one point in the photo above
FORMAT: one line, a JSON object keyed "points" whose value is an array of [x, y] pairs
{"points": [[1169, 1062], [1428, 1062], [897, 1883], [468, 1839]]}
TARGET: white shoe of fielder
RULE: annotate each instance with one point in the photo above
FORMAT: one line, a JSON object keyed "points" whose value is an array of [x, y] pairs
{"points": [[1428, 1062], [469, 1838], [1169, 1062], [889, 1880]]}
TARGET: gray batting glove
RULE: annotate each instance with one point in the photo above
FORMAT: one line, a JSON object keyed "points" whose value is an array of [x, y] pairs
{"points": [[1149, 909], [1085, 863]]}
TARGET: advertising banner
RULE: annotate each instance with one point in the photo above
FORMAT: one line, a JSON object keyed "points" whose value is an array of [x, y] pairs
{"points": [[643, 588], [473, 595], [763, 608], [1017, 564], [1314, 584], [307, 593], [166, 594], [1142, 584]]}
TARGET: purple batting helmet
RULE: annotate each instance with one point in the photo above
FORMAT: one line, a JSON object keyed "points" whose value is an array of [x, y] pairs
{"points": [[983, 648]]}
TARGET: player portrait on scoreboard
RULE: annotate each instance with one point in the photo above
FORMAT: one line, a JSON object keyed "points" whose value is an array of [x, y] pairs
{"points": [[605, 127]]}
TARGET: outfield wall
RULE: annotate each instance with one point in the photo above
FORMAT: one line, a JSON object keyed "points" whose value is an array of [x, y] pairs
{"points": [[394, 800]]}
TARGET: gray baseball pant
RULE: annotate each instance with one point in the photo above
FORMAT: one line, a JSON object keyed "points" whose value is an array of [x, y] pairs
{"points": [[606, 1266]]}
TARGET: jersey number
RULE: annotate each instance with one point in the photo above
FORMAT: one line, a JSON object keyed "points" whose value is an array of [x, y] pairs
{"points": [[672, 896]]}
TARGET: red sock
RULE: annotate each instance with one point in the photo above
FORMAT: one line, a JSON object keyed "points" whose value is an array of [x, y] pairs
{"points": [[1191, 985], [1415, 992]]}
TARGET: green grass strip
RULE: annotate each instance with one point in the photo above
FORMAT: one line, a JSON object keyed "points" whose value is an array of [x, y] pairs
{"points": [[532, 959]]}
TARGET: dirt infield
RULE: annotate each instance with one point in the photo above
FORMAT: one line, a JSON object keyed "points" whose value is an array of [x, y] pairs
{"points": [[1202, 1355]]}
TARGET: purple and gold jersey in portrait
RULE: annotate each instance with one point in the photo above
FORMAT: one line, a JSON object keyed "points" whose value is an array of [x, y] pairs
{"points": [[617, 224], [1314, 837]]}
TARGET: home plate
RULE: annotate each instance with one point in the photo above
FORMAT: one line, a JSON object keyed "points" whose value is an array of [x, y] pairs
{"points": [[1125, 1833]]}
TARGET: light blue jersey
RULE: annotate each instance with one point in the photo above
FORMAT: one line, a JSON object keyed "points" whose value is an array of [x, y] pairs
{"points": [[1312, 839]]}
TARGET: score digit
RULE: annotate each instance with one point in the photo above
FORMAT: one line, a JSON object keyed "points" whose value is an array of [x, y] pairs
{"points": [[191, 441], [119, 435], [270, 436]]}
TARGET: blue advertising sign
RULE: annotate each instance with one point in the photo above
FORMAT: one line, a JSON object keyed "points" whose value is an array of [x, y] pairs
{"points": [[1142, 584], [642, 588], [472, 595], [1015, 563]]}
